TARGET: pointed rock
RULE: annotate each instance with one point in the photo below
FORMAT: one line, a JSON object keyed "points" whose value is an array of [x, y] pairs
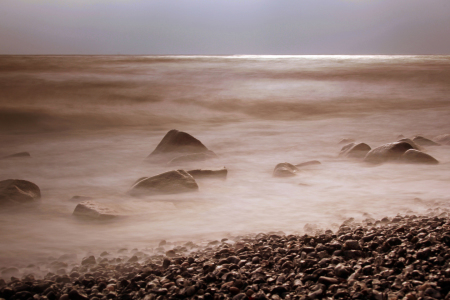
{"points": [[172, 182], [176, 143]]}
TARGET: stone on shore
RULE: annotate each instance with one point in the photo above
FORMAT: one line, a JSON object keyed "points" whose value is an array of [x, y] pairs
{"points": [[354, 150], [172, 182], [285, 170], [94, 210], [174, 144], [16, 191], [387, 152], [418, 157], [213, 173]]}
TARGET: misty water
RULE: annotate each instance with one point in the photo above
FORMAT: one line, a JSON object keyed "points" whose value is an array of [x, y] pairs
{"points": [[90, 121]]}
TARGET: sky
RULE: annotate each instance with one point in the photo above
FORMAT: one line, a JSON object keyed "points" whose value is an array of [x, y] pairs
{"points": [[220, 27]]}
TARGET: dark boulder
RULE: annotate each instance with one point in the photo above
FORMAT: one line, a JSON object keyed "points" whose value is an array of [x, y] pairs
{"points": [[421, 141], [176, 143], [172, 182], [214, 173], [193, 157], [418, 157], [285, 170], [443, 139], [94, 210], [16, 191], [387, 152], [20, 154], [308, 163], [354, 150]]}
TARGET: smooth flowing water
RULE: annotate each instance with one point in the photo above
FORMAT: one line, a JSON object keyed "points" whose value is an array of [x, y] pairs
{"points": [[90, 121]]}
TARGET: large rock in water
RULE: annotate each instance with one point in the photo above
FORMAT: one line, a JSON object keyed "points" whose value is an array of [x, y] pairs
{"points": [[16, 191], [172, 182], [285, 170], [94, 210], [443, 139], [418, 157], [387, 152], [176, 143], [354, 150]]}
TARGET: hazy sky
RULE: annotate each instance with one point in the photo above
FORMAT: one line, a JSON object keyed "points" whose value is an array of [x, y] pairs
{"points": [[225, 27]]}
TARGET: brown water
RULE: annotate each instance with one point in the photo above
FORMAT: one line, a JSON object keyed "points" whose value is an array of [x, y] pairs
{"points": [[90, 121]]}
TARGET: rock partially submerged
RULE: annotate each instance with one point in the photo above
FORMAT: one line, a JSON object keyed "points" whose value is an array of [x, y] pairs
{"points": [[421, 141], [172, 182], [214, 173], [94, 210], [418, 157], [285, 170], [355, 150], [16, 191], [20, 154], [387, 152], [193, 157], [176, 143], [443, 139]]}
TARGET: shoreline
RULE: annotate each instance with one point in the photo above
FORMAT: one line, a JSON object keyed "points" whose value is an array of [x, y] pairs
{"points": [[392, 258]]}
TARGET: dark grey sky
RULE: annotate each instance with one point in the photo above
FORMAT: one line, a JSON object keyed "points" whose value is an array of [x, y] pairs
{"points": [[225, 27]]}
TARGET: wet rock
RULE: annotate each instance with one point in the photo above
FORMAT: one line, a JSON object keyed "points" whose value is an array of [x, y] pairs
{"points": [[387, 153], [285, 170], [413, 156], [213, 173], [357, 151], [16, 191], [176, 143], [19, 154], [421, 141], [94, 211], [443, 139], [172, 182]]}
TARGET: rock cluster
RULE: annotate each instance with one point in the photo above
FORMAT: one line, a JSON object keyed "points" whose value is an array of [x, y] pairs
{"points": [[406, 257]]}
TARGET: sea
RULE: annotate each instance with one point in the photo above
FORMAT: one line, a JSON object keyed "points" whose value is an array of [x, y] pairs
{"points": [[89, 122]]}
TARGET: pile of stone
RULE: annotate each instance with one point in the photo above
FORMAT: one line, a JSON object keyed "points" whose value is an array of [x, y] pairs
{"points": [[407, 257]]}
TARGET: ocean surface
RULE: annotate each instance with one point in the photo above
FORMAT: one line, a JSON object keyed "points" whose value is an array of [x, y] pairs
{"points": [[90, 121]]}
